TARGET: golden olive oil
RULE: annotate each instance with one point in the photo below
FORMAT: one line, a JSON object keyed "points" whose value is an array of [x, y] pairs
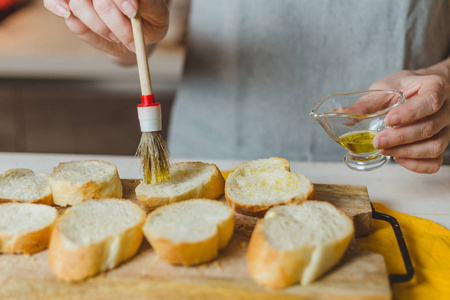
{"points": [[358, 141]]}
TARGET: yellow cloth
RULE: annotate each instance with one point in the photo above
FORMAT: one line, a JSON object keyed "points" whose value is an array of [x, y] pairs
{"points": [[429, 248]]}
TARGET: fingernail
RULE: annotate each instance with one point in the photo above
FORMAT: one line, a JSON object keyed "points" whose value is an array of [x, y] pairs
{"points": [[392, 120], [132, 47], [113, 37], [380, 142], [63, 11], [129, 9]]}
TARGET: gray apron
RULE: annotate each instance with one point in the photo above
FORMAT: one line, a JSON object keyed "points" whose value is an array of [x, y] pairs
{"points": [[255, 69]]}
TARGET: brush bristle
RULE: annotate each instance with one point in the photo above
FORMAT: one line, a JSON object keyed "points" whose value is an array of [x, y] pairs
{"points": [[154, 156]]}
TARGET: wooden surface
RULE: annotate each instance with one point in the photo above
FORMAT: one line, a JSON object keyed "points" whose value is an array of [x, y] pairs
{"points": [[360, 275], [352, 199]]}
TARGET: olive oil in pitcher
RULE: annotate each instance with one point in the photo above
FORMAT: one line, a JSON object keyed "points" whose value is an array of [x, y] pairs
{"points": [[358, 141]]}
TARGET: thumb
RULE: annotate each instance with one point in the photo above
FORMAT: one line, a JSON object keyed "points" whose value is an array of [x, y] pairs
{"points": [[155, 12]]}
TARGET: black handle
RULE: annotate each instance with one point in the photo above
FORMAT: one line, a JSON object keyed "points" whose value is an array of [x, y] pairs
{"points": [[394, 278]]}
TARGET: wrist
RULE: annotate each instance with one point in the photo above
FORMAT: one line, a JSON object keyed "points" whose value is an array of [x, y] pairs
{"points": [[441, 69]]}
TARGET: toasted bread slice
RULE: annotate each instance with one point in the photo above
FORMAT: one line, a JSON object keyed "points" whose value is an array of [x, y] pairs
{"points": [[188, 180], [297, 243], [25, 227], [257, 185], [74, 181], [23, 185], [189, 232], [94, 236]]}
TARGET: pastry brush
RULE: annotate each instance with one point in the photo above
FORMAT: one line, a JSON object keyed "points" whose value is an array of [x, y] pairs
{"points": [[152, 148]]}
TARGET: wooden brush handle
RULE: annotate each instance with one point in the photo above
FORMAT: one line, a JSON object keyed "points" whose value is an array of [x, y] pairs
{"points": [[141, 55]]}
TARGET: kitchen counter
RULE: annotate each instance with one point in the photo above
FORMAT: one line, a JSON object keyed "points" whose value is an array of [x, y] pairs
{"points": [[425, 196]]}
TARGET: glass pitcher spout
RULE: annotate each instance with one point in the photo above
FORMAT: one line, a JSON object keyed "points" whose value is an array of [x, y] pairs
{"points": [[323, 122]]}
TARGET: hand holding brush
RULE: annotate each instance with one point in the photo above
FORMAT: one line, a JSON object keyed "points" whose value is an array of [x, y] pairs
{"points": [[152, 148]]}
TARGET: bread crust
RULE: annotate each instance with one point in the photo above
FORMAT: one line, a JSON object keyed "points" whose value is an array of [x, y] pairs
{"points": [[70, 193], [188, 254], [47, 200], [27, 243], [212, 189], [225, 231], [277, 268], [71, 262], [259, 210], [271, 267]]}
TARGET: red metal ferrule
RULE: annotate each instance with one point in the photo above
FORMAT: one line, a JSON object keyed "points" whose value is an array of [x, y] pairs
{"points": [[148, 100]]}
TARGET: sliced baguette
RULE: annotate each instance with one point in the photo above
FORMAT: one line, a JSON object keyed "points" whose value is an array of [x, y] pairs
{"points": [[188, 180], [257, 185], [25, 227], [74, 181], [23, 185], [189, 232], [297, 243], [94, 236]]}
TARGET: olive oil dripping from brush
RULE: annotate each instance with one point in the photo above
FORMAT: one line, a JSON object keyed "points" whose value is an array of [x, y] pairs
{"points": [[154, 157]]}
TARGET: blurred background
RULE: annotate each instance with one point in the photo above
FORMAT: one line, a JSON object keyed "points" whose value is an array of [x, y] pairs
{"points": [[59, 95]]}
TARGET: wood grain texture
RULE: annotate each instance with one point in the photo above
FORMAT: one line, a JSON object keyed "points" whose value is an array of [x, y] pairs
{"points": [[360, 275], [352, 200]]}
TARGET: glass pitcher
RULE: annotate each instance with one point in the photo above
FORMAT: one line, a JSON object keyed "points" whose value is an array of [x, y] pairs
{"points": [[353, 120]]}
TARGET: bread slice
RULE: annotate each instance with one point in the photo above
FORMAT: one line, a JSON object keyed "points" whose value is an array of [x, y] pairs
{"points": [[25, 227], [188, 180], [189, 232], [257, 185], [74, 181], [297, 243], [23, 185], [93, 236]]}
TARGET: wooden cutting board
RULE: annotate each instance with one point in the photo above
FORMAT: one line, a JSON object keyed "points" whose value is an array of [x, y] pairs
{"points": [[360, 274]]}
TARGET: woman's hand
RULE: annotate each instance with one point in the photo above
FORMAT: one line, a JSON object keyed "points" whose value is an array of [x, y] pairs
{"points": [[105, 24], [421, 125]]}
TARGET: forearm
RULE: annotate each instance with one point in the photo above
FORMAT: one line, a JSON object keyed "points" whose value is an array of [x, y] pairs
{"points": [[442, 69]]}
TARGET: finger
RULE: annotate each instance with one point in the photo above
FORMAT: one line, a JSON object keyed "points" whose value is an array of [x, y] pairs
{"points": [[429, 148], [127, 7], [84, 11], [98, 42], [412, 89], [425, 166], [155, 20], [427, 101], [421, 130], [395, 81], [155, 11], [373, 102], [119, 24], [59, 8]]}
